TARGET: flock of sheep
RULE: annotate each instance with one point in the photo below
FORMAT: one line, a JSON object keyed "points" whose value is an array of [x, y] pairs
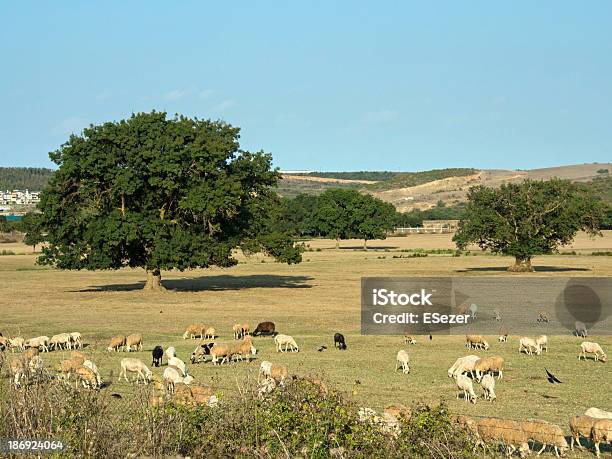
{"points": [[177, 382]]}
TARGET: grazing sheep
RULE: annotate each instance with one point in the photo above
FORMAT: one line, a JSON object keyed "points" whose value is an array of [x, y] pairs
{"points": [[505, 431], [209, 333], [463, 365], [158, 354], [92, 366], [409, 339], [602, 431], [580, 426], [116, 342], [134, 340], [529, 345], [402, 360], [542, 342], [502, 338], [275, 371], [493, 364], [89, 378], [339, 341], [546, 434], [264, 328], [135, 366], [244, 349], [173, 375], [287, 341], [18, 370], [597, 413], [57, 341], [464, 384], [67, 367], [588, 347], [580, 329], [76, 339], [241, 330], [199, 354], [40, 342], [171, 352], [488, 384], [188, 395], [194, 330], [476, 342], [178, 363], [220, 354], [16, 343]]}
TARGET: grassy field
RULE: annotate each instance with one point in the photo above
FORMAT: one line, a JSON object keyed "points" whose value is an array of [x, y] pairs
{"points": [[310, 301]]}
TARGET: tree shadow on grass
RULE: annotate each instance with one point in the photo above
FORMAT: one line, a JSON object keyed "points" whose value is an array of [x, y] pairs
{"points": [[213, 283], [538, 269]]}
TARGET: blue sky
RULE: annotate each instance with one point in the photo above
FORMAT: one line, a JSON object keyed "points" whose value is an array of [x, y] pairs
{"points": [[329, 85]]}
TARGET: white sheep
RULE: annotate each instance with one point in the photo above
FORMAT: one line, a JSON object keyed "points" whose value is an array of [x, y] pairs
{"points": [[92, 366], [59, 340], [173, 375], [488, 385], [588, 347], [402, 361], [287, 341], [171, 352], [16, 343], [76, 339], [178, 363], [542, 342], [529, 345], [135, 366], [40, 342], [464, 384], [502, 338], [463, 365], [545, 433]]}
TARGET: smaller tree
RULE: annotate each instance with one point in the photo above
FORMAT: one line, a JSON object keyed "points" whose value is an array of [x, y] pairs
{"points": [[374, 218], [529, 218]]}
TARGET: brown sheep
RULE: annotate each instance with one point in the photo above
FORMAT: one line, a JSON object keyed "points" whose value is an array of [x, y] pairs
{"points": [[580, 426], [505, 431], [244, 349], [194, 330], [220, 352], [602, 431], [116, 342], [133, 340], [493, 364], [241, 330], [476, 342], [545, 433]]}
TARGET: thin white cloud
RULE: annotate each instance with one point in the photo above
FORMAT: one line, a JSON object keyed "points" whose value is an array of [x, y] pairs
{"points": [[206, 93], [224, 105], [175, 94], [381, 116]]}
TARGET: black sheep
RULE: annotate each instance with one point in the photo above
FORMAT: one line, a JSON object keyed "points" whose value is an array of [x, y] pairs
{"points": [[265, 328], [339, 341], [158, 353]]}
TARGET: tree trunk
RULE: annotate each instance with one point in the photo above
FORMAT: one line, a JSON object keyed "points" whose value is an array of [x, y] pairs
{"points": [[521, 265], [337, 243], [365, 244], [154, 280]]}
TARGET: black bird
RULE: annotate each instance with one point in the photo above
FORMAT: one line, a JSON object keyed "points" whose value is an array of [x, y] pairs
{"points": [[430, 337], [551, 378], [116, 395], [322, 348]]}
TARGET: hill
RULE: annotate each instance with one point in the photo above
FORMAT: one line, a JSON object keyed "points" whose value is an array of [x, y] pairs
{"points": [[21, 178]]}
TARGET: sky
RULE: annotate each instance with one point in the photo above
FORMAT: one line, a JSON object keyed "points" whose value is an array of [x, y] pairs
{"points": [[322, 85]]}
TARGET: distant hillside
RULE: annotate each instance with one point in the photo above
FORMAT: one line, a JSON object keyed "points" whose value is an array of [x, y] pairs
{"points": [[407, 179], [21, 178], [372, 176]]}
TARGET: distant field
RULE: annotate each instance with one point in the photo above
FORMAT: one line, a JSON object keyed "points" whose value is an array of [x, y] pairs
{"points": [[310, 301]]}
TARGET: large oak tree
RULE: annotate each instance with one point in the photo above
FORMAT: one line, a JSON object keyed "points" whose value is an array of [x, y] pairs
{"points": [[158, 193], [528, 218]]}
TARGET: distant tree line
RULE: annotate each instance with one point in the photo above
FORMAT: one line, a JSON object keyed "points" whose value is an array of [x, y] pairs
{"points": [[21, 178], [337, 214]]}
